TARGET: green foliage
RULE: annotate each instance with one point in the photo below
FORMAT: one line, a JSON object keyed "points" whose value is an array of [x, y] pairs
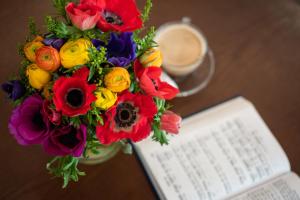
{"points": [[96, 34], [75, 121], [65, 167], [32, 27], [96, 60], [134, 86], [63, 30], [92, 143], [147, 10], [21, 50], [97, 57], [60, 7], [146, 42], [159, 135], [94, 117], [58, 28]]}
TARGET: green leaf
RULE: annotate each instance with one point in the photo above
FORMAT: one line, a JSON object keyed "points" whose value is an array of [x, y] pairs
{"points": [[32, 27], [66, 168], [75, 121], [159, 135], [146, 42], [60, 7], [60, 29], [147, 10], [92, 72]]}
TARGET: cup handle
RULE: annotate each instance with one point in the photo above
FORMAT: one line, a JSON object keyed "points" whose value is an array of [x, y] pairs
{"points": [[186, 20]]}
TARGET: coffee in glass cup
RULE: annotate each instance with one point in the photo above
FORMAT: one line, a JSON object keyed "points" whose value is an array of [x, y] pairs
{"points": [[183, 48], [187, 58]]}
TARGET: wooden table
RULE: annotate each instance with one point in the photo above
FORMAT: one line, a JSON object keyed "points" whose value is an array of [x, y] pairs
{"points": [[257, 48]]}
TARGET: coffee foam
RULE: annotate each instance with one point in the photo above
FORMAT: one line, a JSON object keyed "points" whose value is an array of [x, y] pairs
{"points": [[183, 48]]}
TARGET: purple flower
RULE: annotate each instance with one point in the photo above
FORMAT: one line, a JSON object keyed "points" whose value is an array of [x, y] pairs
{"points": [[56, 43], [121, 49], [66, 140], [14, 89], [98, 44], [27, 123]]}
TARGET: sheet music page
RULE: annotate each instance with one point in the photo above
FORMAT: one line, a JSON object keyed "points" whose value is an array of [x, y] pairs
{"points": [[286, 187], [218, 153]]}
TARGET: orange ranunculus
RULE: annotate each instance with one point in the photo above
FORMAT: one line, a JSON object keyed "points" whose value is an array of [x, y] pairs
{"points": [[31, 47], [47, 58]]}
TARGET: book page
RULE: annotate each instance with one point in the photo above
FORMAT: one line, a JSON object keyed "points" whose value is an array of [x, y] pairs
{"points": [[286, 187], [220, 152]]}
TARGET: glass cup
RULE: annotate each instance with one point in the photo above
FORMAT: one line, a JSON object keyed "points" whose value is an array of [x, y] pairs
{"points": [[187, 59]]}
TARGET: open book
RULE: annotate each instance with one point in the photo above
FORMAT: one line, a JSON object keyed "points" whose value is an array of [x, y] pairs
{"points": [[225, 152]]}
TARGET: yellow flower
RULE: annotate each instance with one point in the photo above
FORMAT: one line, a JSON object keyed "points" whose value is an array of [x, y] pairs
{"points": [[31, 47], [105, 98], [151, 57], [37, 77], [117, 80], [75, 52]]}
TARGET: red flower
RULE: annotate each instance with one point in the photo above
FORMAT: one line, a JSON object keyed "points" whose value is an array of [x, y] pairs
{"points": [[170, 122], [83, 16], [73, 95], [130, 118], [117, 15], [149, 81]]}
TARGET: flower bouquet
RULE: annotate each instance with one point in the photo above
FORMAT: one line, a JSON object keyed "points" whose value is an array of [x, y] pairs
{"points": [[90, 81]]}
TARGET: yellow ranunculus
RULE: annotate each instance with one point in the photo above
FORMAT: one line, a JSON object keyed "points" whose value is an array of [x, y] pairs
{"points": [[37, 77], [105, 98], [151, 57], [31, 47], [117, 80], [75, 52]]}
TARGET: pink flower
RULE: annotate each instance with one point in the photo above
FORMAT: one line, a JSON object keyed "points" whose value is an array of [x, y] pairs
{"points": [[170, 122], [83, 16]]}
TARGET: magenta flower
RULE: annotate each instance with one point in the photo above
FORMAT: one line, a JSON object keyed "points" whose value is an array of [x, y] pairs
{"points": [[27, 122], [66, 140]]}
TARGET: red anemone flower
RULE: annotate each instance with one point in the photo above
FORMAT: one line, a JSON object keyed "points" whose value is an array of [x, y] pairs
{"points": [[130, 118], [117, 15], [73, 95], [150, 83]]}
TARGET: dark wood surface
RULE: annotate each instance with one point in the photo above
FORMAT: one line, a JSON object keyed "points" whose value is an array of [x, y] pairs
{"points": [[257, 48]]}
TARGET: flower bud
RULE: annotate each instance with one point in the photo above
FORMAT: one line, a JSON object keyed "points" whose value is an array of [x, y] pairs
{"points": [[170, 122], [151, 58]]}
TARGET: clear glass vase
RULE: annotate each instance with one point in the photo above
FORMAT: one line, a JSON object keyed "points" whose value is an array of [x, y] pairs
{"points": [[105, 153]]}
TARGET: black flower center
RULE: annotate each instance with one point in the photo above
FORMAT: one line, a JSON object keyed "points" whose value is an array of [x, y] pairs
{"points": [[112, 18], [126, 115], [155, 84], [69, 140], [75, 97], [38, 121]]}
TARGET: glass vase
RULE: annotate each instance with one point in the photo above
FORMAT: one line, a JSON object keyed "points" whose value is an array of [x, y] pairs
{"points": [[104, 153]]}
